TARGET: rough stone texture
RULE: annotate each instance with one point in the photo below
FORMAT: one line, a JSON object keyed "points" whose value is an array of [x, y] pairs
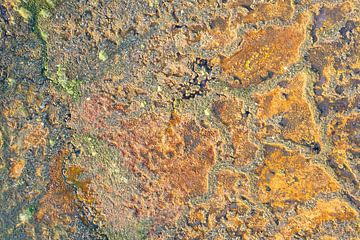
{"points": [[201, 119]]}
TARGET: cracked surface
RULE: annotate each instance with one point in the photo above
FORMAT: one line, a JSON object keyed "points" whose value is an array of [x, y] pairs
{"points": [[149, 119]]}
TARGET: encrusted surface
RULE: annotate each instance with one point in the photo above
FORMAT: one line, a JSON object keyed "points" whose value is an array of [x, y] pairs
{"points": [[150, 119]]}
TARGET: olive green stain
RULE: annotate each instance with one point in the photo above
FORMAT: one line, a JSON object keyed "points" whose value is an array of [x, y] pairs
{"points": [[26, 214], [103, 55], [31, 210], [33, 11], [70, 86], [24, 13]]}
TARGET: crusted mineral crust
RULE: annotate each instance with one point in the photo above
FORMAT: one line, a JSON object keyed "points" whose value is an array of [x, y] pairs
{"points": [[288, 176], [288, 103], [266, 53], [216, 119]]}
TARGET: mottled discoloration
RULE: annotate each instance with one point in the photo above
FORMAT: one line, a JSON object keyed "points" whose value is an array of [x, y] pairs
{"points": [[288, 103], [288, 176], [266, 53], [324, 211], [230, 119]]}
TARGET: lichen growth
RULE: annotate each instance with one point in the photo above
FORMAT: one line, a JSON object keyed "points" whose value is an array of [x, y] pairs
{"points": [[103, 55], [70, 86]]}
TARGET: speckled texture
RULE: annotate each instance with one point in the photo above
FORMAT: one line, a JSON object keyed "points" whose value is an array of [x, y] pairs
{"points": [[199, 119]]}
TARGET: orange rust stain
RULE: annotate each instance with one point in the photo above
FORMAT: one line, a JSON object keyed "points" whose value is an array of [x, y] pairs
{"points": [[287, 176], [343, 130], [73, 173], [59, 198], [17, 168], [31, 136], [290, 104], [230, 113], [13, 111], [223, 30], [230, 184], [36, 137], [282, 9], [208, 216], [188, 154], [181, 157], [324, 211], [221, 33], [179, 151], [266, 53], [327, 238]]}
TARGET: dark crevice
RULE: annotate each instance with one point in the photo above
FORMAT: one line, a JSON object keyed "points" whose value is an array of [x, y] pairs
{"points": [[4, 14], [247, 7], [197, 86]]}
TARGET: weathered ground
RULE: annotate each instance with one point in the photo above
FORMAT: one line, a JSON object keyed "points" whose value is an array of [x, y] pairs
{"points": [[196, 119]]}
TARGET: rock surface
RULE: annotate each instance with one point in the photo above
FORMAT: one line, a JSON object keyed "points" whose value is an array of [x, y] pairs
{"points": [[204, 119]]}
